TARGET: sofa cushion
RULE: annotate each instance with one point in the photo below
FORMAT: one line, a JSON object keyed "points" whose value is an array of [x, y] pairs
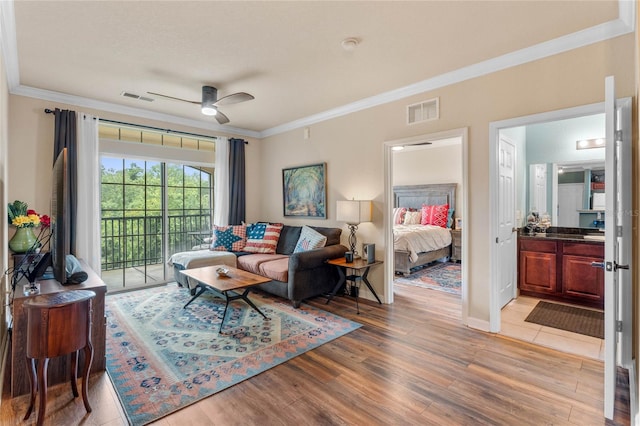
{"points": [[288, 239], [309, 240], [276, 269], [332, 234], [262, 237], [229, 238], [252, 262], [200, 258]]}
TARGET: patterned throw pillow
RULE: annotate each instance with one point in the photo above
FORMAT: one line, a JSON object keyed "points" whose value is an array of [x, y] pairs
{"points": [[398, 215], [229, 238], [262, 237], [435, 215], [309, 239], [412, 218]]}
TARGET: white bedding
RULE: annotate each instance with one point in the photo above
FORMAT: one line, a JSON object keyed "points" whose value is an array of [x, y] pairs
{"points": [[420, 238]]}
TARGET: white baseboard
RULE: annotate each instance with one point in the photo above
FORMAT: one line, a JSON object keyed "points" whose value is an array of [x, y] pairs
{"points": [[478, 324]]}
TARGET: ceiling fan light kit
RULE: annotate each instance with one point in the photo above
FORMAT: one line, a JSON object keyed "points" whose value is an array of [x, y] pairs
{"points": [[210, 102]]}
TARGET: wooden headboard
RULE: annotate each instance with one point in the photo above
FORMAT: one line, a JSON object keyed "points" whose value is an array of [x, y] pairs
{"points": [[414, 196]]}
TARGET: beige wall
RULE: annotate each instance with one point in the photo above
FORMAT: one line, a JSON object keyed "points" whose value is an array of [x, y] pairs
{"points": [[430, 165], [4, 130], [352, 145], [31, 150]]}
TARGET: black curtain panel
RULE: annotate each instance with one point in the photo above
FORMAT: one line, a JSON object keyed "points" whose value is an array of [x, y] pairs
{"points": [[237, 202], [66, 137]]}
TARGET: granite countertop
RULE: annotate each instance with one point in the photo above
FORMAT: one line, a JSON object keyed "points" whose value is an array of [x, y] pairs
{"points": [[591, 235]]}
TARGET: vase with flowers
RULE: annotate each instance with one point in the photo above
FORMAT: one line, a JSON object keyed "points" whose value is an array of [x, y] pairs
{"points": [[25, 221]]}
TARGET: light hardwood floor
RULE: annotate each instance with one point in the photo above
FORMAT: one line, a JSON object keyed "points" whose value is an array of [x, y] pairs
{"points": [[412, 362]]}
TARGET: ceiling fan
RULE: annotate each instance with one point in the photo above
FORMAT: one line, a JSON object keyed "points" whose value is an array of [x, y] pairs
{"points": [[210, 102]]}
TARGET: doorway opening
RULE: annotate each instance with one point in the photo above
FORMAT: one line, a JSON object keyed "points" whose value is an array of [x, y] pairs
{"points": [[409, 169], [552, 179]]}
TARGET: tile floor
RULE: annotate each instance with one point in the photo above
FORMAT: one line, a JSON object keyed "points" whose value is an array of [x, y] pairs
{"points": [[513, 325]]}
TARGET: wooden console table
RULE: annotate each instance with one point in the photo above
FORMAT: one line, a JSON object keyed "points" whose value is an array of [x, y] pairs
{"points": [[59, 368]]}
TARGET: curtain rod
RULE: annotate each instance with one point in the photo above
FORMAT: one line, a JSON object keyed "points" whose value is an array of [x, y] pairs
{"points": [[50, 111]]}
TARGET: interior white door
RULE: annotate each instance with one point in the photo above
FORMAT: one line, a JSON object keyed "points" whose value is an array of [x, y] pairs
{"points": [[570, 200], [617, 294], [506, 224]]}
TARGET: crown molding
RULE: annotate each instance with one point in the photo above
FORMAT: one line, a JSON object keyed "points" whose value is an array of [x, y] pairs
{"points": [[8, 44], [618, 27], [624, 24]]}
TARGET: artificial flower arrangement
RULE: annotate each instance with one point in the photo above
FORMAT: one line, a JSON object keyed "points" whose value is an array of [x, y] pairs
{"points": [[21, 216]]}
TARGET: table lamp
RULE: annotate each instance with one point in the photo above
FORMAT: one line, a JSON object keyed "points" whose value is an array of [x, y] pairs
{"points": [[353, 212]]}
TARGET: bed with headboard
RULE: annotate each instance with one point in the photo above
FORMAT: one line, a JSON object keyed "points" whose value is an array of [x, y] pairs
{"points": [[415, 244]]}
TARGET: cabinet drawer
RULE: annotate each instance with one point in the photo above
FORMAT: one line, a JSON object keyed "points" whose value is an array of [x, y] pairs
{"points": [[539, 246], [582, 249]]}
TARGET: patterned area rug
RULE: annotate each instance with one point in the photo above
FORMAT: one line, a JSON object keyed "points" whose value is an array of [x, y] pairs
{"points": [[436, 276], [161, 357]]}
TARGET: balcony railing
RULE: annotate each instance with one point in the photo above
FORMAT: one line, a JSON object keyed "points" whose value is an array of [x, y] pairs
{"points": [[136, 241]]}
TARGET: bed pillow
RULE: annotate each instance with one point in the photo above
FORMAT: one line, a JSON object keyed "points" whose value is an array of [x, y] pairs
{"points": [[435, 215], [309, 239], [450, 218], [228, 238], [262, 237], [412, 218], [398, 215]]}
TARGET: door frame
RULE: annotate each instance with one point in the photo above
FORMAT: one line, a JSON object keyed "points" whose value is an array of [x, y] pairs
{"points": [[494, 133], [463, 134]]}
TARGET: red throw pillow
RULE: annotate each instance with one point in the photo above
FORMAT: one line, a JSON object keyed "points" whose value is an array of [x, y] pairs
{"points": [[435, 215]]}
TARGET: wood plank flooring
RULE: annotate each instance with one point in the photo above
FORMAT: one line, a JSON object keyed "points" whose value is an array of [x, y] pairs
{"points": [[411, 363]]}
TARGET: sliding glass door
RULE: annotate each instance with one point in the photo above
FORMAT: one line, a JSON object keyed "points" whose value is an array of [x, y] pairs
{"points": [[150, 210]]}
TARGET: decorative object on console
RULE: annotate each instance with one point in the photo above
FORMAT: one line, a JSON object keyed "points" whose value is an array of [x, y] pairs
{"points": [[25, 220], [353, 212], [304, 191]]}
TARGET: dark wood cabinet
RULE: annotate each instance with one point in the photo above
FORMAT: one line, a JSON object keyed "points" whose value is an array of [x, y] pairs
{"points": [[561, 270], [59, 368]]}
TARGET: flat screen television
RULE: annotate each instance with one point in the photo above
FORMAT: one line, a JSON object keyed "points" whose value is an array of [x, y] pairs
{"points": [[60, 209]]}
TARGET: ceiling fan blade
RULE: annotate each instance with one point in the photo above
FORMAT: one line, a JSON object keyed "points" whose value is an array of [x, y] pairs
{"points": [[234, 98], [174, 98], [222, 119]]}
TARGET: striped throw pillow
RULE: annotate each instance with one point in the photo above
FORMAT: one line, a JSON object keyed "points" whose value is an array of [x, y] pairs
{"points": [[262, 237]]}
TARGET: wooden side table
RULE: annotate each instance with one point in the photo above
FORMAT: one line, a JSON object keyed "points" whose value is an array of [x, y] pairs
{"points": [[58, 324], [360, 271]]}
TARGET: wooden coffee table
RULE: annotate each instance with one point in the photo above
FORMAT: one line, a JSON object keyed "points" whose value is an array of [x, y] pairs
{"points": [[225, 287]]}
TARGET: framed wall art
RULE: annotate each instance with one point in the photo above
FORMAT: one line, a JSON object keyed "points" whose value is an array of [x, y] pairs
{"points": [[304, 191]]}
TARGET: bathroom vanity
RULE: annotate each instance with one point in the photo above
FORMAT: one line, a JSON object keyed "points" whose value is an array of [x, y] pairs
{"points": [[557, 265]]}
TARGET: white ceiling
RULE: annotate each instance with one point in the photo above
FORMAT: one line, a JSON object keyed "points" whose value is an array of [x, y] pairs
{"points": [[287, 54]]}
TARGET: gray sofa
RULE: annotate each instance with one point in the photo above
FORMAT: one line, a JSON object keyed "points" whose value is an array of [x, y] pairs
{"points": [[306, 273]]}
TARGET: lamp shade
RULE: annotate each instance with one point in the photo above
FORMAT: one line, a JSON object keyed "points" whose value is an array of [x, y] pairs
{"points": [[353, 211]]}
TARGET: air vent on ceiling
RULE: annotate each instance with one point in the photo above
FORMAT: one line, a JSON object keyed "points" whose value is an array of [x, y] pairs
{"points": [[423, 111], [134, 96]]}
